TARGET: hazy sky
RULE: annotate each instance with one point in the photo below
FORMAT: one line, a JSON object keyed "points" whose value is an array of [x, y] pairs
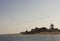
{"points": [[21, 15]]}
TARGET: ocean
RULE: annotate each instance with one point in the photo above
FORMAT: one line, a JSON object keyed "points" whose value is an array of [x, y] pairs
{"points": [[30, 38]]}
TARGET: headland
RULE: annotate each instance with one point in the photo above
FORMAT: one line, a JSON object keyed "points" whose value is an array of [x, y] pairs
{"points": [[39, 31], [42, 31]]}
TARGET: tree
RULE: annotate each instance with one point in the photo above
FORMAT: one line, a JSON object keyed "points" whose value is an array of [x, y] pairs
{"points": [[43, 29]]}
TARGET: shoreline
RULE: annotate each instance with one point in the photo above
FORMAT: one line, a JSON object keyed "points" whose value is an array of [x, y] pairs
{"points": [[42, 33]]}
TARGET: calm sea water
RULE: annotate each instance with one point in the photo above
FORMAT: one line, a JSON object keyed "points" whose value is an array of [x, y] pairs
{"points": [[30, 38]]}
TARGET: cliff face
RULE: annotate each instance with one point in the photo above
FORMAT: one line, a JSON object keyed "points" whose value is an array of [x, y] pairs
{"points": [[42, 30]]}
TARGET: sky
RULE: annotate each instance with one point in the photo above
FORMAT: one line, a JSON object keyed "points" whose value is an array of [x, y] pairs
{"points": [[21, 15]]}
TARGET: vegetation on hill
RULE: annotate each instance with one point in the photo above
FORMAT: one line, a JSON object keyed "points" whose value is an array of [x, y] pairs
{"points": [[42, 29]]}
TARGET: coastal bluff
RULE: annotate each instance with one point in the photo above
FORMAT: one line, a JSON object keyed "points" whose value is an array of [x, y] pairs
{"points": [[42, 31]]}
